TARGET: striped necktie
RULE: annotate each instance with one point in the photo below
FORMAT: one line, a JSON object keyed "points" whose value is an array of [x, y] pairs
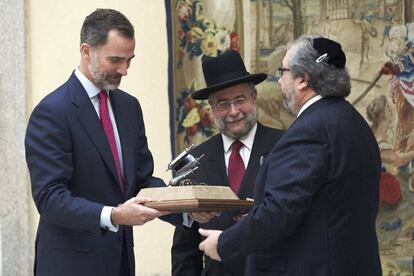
{"points": [[236, 167], [109, 132]]}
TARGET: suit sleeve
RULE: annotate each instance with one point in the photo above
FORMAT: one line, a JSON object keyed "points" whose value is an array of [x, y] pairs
{"points": [[145, 167], [49, 158], [186, 258], [294, 172]]}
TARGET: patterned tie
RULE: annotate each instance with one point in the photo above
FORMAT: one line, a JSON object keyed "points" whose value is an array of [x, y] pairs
{"points": [[109, 132], [236, 167]]}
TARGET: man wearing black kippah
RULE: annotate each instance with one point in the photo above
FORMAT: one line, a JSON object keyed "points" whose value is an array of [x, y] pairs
{"points": [[316, 196]]}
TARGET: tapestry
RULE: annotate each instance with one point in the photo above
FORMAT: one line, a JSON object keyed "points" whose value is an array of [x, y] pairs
{"points": [[197, 28], [378, 39]]}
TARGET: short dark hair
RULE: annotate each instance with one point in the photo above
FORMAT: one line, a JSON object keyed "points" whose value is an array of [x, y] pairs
{"points": [[325, 79], [97, 25]]}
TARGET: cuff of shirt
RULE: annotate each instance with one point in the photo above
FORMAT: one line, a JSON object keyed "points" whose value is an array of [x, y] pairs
{"points": [[187, 220], [106, 219]]}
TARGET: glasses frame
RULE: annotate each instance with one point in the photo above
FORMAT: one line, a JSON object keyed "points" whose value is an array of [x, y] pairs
{"points": [[281, 70], [239, 105]]}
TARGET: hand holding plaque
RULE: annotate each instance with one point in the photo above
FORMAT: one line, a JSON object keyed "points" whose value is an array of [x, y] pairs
{"points": [[184, 195]]}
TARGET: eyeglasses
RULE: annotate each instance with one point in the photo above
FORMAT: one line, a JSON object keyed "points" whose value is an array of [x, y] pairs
{"points": [[225, 105], [281, 70]]}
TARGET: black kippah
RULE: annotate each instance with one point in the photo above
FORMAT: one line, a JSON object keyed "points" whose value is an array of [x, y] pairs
{"points": [[330, 52]]}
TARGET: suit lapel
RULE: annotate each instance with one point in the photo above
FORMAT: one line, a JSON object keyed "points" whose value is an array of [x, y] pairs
{"points": [[217, 168], [89, 120], [216, 165], [261, 146], [121, 115]]}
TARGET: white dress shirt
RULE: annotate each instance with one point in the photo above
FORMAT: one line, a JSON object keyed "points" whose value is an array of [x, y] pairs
{"points": [[308, 103], [244, 151]]}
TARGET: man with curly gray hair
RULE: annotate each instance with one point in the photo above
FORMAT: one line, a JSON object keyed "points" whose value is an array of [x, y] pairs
{"points": [[316, 196]]}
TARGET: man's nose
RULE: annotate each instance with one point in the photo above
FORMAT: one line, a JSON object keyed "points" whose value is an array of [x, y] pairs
{"points": [[233, 109], [123, 69]]}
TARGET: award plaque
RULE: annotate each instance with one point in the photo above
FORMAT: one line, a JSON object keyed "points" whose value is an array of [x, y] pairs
{"points": [[183, 195], [194, 198]]}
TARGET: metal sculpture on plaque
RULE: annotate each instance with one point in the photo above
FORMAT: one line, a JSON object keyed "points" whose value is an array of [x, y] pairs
{"points": [[184, 195]]}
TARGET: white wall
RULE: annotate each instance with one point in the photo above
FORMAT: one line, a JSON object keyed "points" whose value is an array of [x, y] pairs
{"points": [[54, 28], [1, 257]]}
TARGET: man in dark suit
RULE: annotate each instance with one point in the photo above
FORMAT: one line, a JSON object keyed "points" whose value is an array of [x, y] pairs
{"points": [[232, 96], [88, 157], [316, 196]]}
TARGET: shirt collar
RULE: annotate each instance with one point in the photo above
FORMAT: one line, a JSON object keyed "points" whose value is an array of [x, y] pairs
{"points": [[308, 103], [246, 140], [90, 88]]}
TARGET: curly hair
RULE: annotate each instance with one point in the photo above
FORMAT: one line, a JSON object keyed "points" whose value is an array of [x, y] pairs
{"points": [[325, 79]]}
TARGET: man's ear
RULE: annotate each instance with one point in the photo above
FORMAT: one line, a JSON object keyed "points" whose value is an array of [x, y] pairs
{"points": [[254, 94], [303, 82], [85, 50]]}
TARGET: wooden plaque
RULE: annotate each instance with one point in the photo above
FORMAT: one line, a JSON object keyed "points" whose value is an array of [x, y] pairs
{"points": [[194, 198]]}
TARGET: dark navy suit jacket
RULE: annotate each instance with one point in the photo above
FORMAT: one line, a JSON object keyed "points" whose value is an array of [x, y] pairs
{"points": [[316, 200], [186, 257], [73, 176]]}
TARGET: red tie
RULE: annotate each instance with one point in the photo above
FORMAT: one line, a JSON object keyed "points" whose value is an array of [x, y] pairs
{"points": [[109, 132], [236, 167]]}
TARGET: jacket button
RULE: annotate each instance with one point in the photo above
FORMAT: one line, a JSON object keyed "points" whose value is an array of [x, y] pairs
{"points": [[120, 238]]}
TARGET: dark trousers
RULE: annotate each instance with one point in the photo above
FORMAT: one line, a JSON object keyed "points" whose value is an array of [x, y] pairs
{"points": [[124, 269]]}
